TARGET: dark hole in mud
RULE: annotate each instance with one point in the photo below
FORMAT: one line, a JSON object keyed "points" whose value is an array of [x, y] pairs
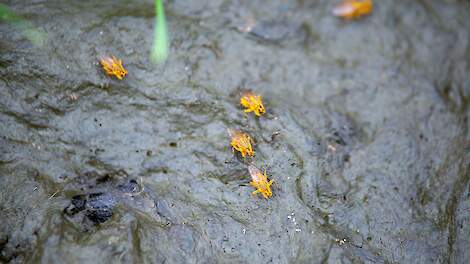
{"points": [[103, 179], [99, 216]]}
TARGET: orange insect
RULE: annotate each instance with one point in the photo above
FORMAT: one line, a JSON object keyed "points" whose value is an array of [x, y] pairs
{"points": [[252, 102], [351, 9], [260, 182], [113, 66], [241, 142]]}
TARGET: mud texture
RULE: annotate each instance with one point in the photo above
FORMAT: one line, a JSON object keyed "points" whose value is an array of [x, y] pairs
{"points": [[366, 134]]}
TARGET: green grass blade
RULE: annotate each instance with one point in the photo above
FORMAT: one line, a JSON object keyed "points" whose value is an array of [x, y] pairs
{"points": [[26, 28], [160, 38]]}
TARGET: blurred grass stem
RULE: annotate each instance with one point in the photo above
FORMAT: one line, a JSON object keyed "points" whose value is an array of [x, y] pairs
{"points": [[160, 39], [25, 27]]}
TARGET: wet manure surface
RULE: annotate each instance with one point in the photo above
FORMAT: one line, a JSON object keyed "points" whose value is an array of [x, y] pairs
{"points": [[365, 134]]}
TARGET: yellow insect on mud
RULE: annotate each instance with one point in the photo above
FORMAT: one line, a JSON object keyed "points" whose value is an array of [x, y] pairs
{"points": [[252, 102], [351, 9], [241, 142], [260, 182], [113, 66]]}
